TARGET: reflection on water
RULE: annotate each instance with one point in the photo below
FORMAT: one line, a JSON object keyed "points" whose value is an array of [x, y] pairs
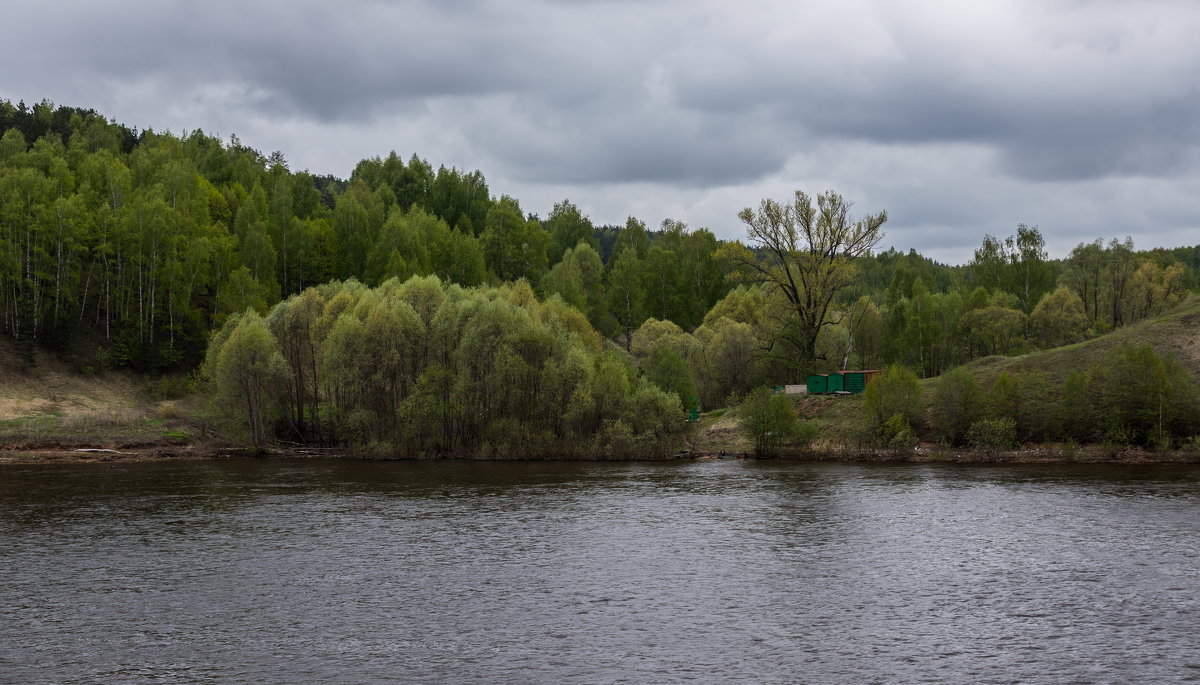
{"points": [[317, 571]]}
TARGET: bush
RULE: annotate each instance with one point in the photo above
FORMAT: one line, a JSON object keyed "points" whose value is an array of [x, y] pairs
{"points": [[769, 421], [1027, 399], [957, 404], [993, 434], [897, 434], [895, 391], [1075, 415], [1146, 399]]}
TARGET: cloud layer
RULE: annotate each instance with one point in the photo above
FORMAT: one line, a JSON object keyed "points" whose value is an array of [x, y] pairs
{"points": [[960, 119]]}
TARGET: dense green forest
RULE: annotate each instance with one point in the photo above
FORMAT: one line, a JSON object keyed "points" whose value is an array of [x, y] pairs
{"points": [[126, 248]]}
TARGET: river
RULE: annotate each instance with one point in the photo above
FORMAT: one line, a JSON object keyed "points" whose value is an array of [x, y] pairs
{"points": [[313, 571]]}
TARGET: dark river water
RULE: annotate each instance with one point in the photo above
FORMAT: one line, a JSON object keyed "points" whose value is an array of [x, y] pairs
{"points": [[722, 572]]}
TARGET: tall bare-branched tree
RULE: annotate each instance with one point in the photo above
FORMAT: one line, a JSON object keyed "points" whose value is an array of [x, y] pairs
{"points": [[805, 250]]}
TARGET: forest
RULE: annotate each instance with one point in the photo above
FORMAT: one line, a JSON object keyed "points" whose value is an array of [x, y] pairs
{"points": [[412, 306]]}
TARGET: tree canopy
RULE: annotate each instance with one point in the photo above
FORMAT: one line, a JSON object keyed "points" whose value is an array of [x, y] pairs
{"points": [[805, 251]]}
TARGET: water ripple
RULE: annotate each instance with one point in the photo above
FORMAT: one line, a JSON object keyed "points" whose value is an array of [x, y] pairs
{"points": [[560, 573]]}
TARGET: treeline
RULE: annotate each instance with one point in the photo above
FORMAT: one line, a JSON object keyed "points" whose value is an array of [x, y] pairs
{"points": [[142, 242], [422, 367], [127, 248]]}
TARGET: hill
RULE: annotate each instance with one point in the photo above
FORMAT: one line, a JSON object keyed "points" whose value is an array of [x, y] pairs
{"points": [[1175, 333]]}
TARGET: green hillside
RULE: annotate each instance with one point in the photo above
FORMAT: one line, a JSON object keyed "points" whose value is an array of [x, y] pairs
{"points": [[1174, 334]]}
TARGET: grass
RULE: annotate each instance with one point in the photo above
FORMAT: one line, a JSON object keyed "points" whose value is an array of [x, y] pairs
{"points": [[1176, 332], [104, 428], [718, 430], [53, 405]]}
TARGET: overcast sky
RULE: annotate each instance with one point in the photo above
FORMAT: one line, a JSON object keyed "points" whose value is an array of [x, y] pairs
{"points": [[958, 118]]}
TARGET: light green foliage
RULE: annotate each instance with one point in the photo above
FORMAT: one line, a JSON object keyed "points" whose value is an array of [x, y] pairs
{"points": [[769, 421], [633, 236], [1154, 288], [808, 255], [744, 304], [993, 434], [724, 360], [667, 369], [1118, 286], [655, 335], [241, 291], [897, 433], [428, 368], [1059, 319], [566, 281], [957, 403], [127, 248], [578, 280], [922, 329], [246, 372], [891, 393]]}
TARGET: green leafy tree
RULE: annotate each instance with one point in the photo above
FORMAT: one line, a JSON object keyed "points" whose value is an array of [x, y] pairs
{"points": [[668, 370], [1083, 273], [991, 435], [1076, 408], [633, 235], [1145, 398], [768, 420], [626, 294], [245, 367], [724, 360], [808, 251], [568, 227], [894, 392], [513, 247], [957, 404], [1059, 319], [1018, 265]]}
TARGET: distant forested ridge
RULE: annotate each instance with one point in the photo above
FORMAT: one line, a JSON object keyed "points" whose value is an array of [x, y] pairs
{"points": [[127, 248]]}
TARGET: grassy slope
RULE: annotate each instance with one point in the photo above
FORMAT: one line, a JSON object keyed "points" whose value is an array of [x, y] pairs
{"points": [[50, 404], [1175, 333]]}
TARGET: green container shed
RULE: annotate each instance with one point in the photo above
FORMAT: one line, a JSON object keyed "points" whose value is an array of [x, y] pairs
{"points": [[836, 383], [818, 383], [823, 383], [855, 381]]}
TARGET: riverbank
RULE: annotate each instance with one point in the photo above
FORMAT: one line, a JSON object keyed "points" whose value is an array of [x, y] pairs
{"points": [[51, 452]]}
